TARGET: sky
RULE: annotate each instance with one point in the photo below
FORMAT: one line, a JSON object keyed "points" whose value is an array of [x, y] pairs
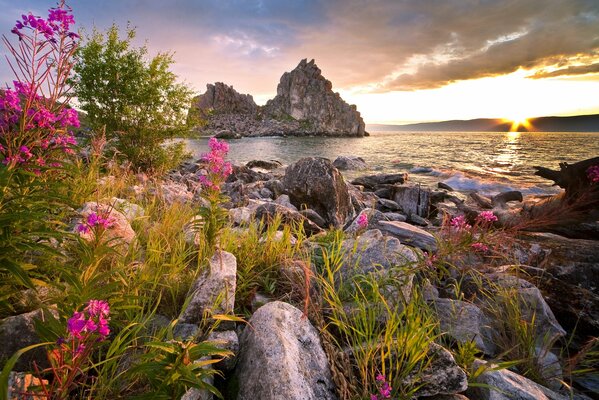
{"points": [[399, 61]]}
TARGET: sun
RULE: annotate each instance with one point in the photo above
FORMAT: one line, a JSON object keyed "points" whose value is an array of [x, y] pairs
{"points": [[518, 120]]}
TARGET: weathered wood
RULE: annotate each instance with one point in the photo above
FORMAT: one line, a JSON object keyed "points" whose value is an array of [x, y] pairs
{"points": [[573, 178]]}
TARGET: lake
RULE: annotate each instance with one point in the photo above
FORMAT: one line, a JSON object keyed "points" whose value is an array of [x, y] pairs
{"points": [[484, 161]]}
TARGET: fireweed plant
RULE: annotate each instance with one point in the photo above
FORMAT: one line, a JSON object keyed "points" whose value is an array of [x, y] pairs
{"points": [[35, 140], [34, 115], [217, 171]]}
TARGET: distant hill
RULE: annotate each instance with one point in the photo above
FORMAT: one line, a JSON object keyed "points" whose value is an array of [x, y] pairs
{"points": [[578, 123]]}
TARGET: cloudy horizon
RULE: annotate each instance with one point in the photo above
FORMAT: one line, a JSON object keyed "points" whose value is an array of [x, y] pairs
{"points": [[399, 61]]}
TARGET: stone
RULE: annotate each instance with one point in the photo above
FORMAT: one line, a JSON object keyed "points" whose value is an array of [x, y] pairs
{"points": [[265, 193], [412, 199], [131, 211], [183, 331], [240, 216], [213, 292], [373, 252], [314, 183], [268, 211], [285, 201], [387, 205], [444, 186], [225, 340], [506, 385], [20, 383], [442, 375], [532, 305], [374, 217], [173, 192], [314, 217], [18, 332], [372, 182], [464, 322], [264, 164], [119, 231], [282, 357], [410, 235], [446, 397], [304, 95], [350, 163], [391, 216], [550, 368], [418, 220]]}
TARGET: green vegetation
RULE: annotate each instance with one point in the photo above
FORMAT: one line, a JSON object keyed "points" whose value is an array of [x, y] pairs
{"points": [[133, 99]]}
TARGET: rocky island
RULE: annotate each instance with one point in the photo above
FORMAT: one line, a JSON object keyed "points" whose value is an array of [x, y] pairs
{"points": [[305, 105]]}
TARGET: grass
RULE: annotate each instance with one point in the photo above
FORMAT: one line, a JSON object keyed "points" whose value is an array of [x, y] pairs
{"points": [[368, 325]]}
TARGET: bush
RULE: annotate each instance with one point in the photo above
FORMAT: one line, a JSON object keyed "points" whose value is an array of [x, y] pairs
{"points": [[136, 100]]}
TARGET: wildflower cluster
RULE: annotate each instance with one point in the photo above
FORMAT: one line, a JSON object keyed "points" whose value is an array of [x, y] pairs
{"points": [[384, 389], [94, 220], [218, 168], [459, 223], [34, 116], [480, 247], [362, 221], [486, 217], [593, 174], [93, 321]]}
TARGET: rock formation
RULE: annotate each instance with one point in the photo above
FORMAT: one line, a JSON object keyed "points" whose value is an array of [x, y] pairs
{"points": [[305, 104]]}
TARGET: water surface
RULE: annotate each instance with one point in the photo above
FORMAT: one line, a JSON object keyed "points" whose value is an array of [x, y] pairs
{"points": [[483, 161]]}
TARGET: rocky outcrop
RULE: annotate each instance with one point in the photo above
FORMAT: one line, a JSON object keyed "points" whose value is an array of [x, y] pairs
{"points": [[305, 104], [282, 358], [223, 99], [305, 95]]}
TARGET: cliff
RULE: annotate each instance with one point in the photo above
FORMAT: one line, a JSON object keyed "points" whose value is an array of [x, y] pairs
{"points": [[305, 104]]}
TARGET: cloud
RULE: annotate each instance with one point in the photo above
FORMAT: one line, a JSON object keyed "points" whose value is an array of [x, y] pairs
{"points": [[568, 71], [375, 45]]}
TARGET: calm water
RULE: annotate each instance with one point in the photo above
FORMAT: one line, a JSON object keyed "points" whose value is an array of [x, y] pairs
{"points": [[487, 162]]}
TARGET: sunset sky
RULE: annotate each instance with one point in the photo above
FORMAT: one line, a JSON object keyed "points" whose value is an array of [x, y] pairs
{"points": [[398, 61]]}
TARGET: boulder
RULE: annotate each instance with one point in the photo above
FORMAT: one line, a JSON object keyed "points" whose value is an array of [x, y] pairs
{"points": [[264, 164], [371, 182], [282, 357], [314, 217], [464, 322], [173, 192], [131, 211], [285, 201], [387, 205], [268, 211], [373, 252], [18, 332], [118, 231], [442, 375], [506, 385], [374, 217], [314, 183], [350, 163], [410, 235], [304, 95], [213, 292], [412, 199], [240, 216], [225, 340]]}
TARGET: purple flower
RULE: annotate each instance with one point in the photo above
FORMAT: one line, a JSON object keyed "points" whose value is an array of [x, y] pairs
{"points": [[480, 247], [362, 220], [486, 216], [97, 308], [76, 324], [593, 173], [460, 223]]}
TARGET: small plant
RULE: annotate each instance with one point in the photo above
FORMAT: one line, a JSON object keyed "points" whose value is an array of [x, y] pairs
{"points": [[384, 389], [213, 215]]}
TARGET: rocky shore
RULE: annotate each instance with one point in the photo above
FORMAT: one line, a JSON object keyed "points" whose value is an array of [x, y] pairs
{"points": [[279, 353], [305, 105]]}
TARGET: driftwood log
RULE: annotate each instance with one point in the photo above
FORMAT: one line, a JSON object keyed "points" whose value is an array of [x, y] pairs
{"points": [[575, 180]]}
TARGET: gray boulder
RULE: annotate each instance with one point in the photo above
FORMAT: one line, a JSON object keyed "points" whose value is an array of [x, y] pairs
{"points": [[442, 375], [350, 163], [507, 385], [282, 358], [314, 183], [464, 322], [372, 182], [410, 235], [214, 291], [268, 211], [18, 332], [412, 199]]}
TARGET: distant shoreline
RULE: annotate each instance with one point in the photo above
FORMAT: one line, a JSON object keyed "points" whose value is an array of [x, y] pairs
{"points": [[577, 123]]}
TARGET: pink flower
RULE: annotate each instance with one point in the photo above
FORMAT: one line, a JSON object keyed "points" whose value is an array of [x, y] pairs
{"points": [[480, 247], [218, 169], [76, 324], [362, 220], [486, 216], [593, 173], [98, 308], [460, 223]]}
